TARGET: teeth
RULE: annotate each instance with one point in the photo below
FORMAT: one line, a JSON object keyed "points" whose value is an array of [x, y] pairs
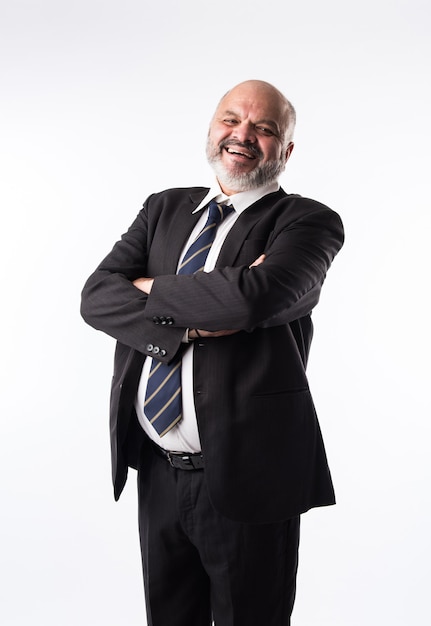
{"points": [[240, 153]]}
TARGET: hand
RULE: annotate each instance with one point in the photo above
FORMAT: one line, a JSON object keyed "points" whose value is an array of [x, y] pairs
{"points": [[260, 259], [195, 334], [144, 284]]}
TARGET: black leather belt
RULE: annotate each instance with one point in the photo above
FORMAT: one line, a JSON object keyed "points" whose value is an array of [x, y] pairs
{"points": [[181, 460]]}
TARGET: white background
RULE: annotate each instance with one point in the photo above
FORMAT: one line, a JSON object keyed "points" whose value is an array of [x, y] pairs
{"points": [[104, 102]]}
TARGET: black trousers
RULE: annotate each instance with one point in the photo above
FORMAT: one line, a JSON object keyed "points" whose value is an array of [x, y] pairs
{"points": [[199, 566]]}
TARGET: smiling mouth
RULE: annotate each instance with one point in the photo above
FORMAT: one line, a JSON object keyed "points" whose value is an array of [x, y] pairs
{"points": [[240, 153]]}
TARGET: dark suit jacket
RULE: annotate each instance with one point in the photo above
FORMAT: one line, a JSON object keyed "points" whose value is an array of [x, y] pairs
{"points": [[264, 455]]}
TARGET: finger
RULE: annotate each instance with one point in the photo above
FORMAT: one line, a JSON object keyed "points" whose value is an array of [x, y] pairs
{"points": [[215, 333], [258, 261]]}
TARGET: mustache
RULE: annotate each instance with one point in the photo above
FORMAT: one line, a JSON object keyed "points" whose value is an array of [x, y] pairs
{"points": [[248, 145]]}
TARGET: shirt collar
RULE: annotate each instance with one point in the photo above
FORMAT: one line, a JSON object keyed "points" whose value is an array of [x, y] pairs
{"points": [[240, 201]]}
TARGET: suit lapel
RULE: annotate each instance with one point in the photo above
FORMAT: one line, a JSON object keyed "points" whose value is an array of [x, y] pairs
{"points": [[242, 228], [181, 224]]}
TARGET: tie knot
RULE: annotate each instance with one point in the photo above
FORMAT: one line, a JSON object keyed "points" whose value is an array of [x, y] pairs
{"points": [[217, 212]]}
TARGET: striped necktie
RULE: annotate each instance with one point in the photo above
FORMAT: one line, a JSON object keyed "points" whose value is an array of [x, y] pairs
{"points": [[163, 402]]}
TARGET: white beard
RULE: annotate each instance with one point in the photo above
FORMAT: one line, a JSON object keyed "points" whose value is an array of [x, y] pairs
{"points": [[260, 176]]}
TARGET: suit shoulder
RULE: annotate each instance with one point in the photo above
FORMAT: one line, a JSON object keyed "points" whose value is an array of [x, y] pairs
{"points": [[303, 205], [178, 193]]}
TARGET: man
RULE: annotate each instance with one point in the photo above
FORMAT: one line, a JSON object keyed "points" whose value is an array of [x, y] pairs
{"points": [[224, 478]]}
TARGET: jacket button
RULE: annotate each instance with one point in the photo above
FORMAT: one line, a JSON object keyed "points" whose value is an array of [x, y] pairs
{"points": [[156, 350], [162, 320], [156, 320], [163, 352], [150, 347], [169, 320]]}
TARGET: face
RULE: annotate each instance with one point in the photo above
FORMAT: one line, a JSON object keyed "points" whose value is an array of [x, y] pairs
{"points": [[246, 142]]}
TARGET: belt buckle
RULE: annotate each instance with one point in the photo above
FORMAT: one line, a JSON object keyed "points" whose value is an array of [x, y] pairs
{"points": [[185, 458]]}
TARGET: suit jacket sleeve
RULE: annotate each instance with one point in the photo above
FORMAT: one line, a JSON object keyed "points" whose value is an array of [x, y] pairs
{"points": [[283, 288], [112, 304]]}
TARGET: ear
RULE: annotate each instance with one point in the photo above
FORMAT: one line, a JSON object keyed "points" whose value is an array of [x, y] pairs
{"points": [[289, 150]]}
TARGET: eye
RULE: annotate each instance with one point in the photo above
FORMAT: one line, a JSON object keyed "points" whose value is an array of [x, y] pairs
{"points": [[230, 121], [264, 130]]}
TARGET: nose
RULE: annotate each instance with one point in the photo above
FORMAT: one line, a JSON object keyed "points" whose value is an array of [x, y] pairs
{"points": [[245, 132]]}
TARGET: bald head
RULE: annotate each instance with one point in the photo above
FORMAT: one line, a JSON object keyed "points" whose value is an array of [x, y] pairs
{"points": [[262, 90]]}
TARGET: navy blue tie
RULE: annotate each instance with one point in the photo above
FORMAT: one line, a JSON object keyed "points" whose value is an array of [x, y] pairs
{"points": [[163, 401]]}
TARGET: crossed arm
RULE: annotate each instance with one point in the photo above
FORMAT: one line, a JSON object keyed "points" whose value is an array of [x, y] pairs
{"points": [[145, 285], [275, 289]]}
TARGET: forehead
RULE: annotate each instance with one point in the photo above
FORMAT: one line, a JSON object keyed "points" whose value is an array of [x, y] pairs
{"points": [[256, 103]]}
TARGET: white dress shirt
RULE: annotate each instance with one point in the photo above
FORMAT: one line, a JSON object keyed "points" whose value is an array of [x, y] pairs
{"points": [[184, 437]]}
